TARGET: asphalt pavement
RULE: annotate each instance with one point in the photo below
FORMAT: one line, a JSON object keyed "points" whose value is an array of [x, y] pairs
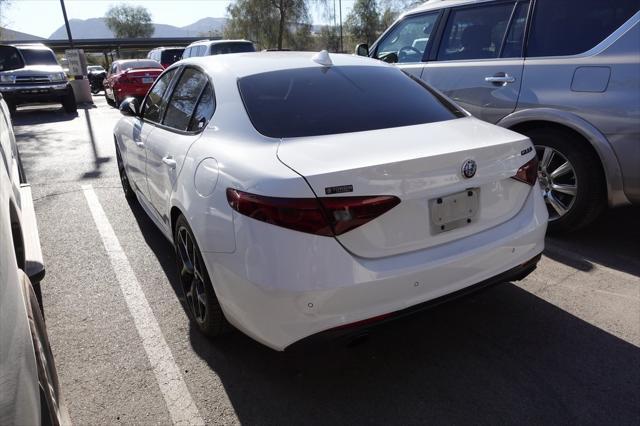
{"points": [[561, 346]]}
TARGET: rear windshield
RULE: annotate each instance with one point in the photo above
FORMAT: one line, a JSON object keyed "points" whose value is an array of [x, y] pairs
{"points": [[140, 64], [322, 101], [38, 57], [222, 48], [10, 58], [169, 56]]}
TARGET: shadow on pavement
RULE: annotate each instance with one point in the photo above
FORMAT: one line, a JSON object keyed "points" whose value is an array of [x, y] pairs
{"points": [[499, 356], [27, 117], [613, 241]]}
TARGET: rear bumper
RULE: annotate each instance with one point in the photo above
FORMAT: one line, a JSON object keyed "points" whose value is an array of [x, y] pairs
{"points": [[20, 94], [282, 288]]}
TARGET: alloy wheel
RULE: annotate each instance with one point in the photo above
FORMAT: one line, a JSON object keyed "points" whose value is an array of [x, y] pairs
{"points": [[558, 181], [191, 278]]}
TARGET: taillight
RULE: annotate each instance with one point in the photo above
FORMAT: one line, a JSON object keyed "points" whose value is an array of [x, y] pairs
{"points": [[327, 216], [529, 172]]}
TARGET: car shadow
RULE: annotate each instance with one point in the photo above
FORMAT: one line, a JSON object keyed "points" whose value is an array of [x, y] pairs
{"points": [[47, 114], [499, 356], [612, 241]]}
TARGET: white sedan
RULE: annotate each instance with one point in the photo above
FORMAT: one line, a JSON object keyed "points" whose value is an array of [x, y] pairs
{"points": [[312, 193]]}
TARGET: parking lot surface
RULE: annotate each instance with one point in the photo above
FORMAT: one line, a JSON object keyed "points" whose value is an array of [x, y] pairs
{"points": [[561, 346]]}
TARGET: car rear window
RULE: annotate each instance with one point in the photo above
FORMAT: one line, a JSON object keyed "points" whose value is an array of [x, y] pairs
{"points": [[38, 57], [169, 56], [223, 48], [140, 64], [329, 100]]}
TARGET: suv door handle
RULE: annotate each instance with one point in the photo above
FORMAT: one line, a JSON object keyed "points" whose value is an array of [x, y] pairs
{"points": [[169, 161], [500, 79]]}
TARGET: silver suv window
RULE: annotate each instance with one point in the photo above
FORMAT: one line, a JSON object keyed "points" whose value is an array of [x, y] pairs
{"points": [[408, 39], [569, 27], [475, 32]]}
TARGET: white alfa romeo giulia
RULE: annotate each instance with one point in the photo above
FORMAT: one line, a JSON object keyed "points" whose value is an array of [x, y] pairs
{"points": [[306, 193]]}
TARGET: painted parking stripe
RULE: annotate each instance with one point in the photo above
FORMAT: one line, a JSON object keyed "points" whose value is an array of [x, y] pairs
{"points": [[176, 395]]}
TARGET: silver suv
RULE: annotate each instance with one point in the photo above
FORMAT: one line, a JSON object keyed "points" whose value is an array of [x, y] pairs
{"points": [[566, 73], [217, 47]]}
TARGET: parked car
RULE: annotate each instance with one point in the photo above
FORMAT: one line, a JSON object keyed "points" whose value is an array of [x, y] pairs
{"points": [[30, 392], [217, 47], [563, 72], [130, 77], [300, 197], [31, 74], [166, 55], [97, 74]]}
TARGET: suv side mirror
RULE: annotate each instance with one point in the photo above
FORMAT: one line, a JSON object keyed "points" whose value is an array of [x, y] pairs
{"points": [[130, 107], [362, 49]]}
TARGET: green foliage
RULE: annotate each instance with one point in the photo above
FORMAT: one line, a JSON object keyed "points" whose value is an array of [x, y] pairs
{"points": [[363, 22], [127, 21], [270, 23]]}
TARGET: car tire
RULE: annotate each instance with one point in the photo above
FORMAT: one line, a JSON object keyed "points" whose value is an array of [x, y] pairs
{"points": [[570, 177], [12, 109], [124, 178], [69, 103], [52, 407], [109, 100], [202, 303]]}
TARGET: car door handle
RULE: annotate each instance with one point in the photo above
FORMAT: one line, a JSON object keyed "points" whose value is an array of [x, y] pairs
{"points": [[140, 144], [169, 161], [500, 79]]}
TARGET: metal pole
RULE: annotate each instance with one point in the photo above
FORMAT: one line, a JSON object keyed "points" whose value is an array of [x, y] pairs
{"points": [[66, 23], [341, 45]]}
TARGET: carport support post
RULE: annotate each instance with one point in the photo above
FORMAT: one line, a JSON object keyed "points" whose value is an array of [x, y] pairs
{"points": [[66, 23]]}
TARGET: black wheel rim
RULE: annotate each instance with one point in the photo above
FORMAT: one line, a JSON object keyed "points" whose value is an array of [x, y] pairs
{"points": [[191, 275], [123, 173]]}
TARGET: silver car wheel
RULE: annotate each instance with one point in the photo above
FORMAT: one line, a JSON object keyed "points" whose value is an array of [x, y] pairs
{"points": [[558, 181]]}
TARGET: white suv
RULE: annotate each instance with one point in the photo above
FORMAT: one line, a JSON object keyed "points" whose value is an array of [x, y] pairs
{"points": [[217, 47]]}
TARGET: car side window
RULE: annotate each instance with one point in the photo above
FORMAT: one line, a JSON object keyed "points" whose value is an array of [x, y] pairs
{"points": [[155, 101], [184, 98], [475, 32], [569, 27], [408, 39], [114, 68], [512, 47], [204, 110]]}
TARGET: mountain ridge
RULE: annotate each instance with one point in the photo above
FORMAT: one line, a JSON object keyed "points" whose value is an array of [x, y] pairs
{"points": [[97, 28]]}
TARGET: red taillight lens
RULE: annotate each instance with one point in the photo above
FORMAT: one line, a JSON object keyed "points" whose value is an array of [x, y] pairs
{"points": [[529, 172], [326, 216]]}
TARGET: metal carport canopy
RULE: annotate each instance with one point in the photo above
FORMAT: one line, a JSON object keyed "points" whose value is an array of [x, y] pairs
{"points": [[105, 44]]}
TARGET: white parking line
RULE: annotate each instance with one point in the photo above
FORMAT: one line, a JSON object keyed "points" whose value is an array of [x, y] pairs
{"points": [[174, 390]]}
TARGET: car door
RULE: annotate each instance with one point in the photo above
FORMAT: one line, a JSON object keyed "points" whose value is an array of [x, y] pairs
{"points": [[407, 42], [151, 114], [478, 62], [167, 147]]}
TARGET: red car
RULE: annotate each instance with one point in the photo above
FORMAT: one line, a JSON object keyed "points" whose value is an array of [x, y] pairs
{"points": [[130, 77]]}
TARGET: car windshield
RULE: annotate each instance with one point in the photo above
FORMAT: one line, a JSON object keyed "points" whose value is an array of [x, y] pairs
{"points": [[240, 47], [329, 100], [10, 58], [140, 64], [38, 57]]}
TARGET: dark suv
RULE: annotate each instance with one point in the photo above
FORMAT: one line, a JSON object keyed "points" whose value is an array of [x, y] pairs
{"points": [[31, 74]]}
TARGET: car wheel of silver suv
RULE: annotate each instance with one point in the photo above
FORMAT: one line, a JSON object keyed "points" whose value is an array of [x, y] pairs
{"points": [[570, 178]]}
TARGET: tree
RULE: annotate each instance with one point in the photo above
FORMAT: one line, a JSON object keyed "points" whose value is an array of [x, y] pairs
{"points": [[270, 23], [363, 22], [127, 21]]}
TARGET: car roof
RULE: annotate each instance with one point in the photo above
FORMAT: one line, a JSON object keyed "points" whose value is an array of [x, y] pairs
{"points": [[212, 42], [125, 61], [244, 64], [35, 46], [441, 4]]}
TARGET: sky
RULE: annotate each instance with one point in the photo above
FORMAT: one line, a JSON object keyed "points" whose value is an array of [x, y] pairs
{"points": [[43, 17]]}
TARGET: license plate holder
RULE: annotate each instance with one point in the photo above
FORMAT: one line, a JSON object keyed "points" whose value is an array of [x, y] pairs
{"points": [[147, 80], [454, 211]]}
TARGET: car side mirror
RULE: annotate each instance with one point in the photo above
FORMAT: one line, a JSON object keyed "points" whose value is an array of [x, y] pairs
{"points": [[362, 49], [130, 107]]}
